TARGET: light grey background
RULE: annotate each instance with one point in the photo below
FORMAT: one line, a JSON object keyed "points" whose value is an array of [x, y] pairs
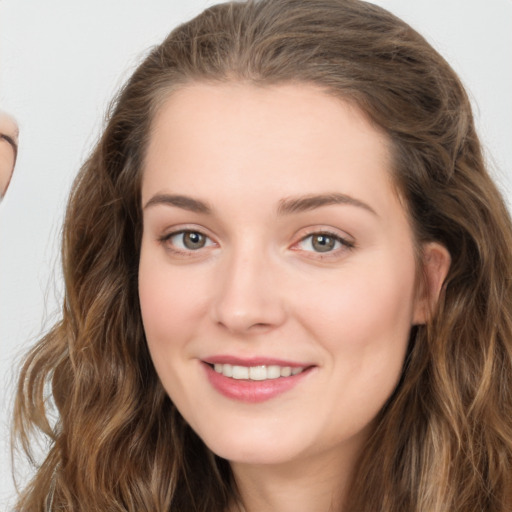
{"points": [[60, 64]]}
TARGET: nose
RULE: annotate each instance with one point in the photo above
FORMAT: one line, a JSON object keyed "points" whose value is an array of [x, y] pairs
{"points": [[248, 296]]}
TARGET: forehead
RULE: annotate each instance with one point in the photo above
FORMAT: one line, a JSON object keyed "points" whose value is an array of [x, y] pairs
{"points": [[257, 106], [294, 138]]}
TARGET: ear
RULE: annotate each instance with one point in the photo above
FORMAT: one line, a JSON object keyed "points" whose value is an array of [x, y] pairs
{"points": [[434, 269]]}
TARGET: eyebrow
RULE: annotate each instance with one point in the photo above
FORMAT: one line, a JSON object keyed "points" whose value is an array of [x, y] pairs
{"points": [[311, 202], [286, 206], [184, 202]]}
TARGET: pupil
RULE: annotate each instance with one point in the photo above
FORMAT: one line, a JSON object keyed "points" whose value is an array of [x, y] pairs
{"points": [[193, 240], [323, 243]]}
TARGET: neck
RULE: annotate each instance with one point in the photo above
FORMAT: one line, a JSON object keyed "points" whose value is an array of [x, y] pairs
{"points": [[318, 484]]}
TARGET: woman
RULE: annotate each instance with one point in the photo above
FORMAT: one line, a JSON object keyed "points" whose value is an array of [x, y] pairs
{"points": [[287, 281]]}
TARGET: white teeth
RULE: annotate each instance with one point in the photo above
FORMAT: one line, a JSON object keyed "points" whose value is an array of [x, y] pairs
{"points": [[273, 372], [240, 372], [257, 373], [260, 372], [227, 370], [286, 371]]}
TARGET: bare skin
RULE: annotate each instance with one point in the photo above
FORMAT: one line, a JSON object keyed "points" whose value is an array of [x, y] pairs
{"points": [[8, 149], [313, 485]]}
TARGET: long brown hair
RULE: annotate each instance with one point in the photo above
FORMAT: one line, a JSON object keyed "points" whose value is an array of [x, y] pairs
{"points": [[443, 442]]}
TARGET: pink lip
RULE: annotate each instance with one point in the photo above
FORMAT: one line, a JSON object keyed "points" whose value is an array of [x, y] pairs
{"points": [[252, 391]]}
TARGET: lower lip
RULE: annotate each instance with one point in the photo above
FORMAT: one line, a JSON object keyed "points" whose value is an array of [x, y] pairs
{"points": [[252, 391]]}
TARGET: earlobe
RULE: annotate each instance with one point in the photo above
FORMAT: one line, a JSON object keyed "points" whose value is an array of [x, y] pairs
{"points": [[435, 266]]}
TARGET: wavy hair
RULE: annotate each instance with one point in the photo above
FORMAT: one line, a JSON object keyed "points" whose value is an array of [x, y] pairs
{"points": [[443, 441]]}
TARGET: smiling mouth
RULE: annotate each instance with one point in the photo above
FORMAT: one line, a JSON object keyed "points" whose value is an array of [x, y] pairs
{"points": [[254, 381], [257, 373]]}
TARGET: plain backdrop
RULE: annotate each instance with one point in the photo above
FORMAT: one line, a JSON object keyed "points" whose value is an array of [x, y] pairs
{"points": [[60, 64]]}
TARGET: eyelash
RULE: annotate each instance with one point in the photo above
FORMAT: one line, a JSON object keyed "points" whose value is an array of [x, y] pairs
{"points": [[344, 244], [166, 240]]}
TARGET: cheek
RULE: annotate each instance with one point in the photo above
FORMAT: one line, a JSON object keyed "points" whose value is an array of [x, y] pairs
{"points": [[364, 323], [368, 298], [169, 302], [168, 311]]}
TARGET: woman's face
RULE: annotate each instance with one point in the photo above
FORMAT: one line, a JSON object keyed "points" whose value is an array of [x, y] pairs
{"points": [[277, 272]]}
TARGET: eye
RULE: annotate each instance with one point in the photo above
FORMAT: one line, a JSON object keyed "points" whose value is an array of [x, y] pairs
{"points": [[187, 240], [323, 243]]}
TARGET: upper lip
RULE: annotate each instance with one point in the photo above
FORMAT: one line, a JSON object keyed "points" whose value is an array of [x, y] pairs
{"points": [[253, 361]]}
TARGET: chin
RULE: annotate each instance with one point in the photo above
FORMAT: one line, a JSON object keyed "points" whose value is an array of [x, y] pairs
{"points": [[252, 456], [253, 449]]}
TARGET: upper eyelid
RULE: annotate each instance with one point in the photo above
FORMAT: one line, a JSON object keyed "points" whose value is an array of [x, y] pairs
{"points": [[327, 234], [319, 230], [343, 240], [176, 230]]}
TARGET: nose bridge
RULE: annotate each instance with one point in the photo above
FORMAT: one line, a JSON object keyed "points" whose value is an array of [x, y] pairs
{"points": [[247, 295]]}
